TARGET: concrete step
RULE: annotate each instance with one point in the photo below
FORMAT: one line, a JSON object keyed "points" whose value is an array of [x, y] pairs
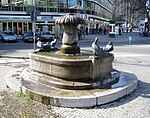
{"points": [[52, 81], [72, 98]]}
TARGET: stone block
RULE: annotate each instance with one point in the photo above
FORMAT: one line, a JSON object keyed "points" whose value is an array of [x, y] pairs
{"points": [[110, 95], [87, 101], [131, 87], [14, 83]]}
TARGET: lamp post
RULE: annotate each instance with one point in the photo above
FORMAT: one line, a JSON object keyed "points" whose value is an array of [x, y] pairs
{"points": [[127, 23], [33, 14], [147, 19]]}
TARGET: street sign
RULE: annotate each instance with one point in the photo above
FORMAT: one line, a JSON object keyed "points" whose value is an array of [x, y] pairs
{"points": [[34, 15], [32, 11]]}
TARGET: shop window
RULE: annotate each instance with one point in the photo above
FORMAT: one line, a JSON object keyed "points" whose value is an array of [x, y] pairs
{"points": [[10, 26], [4, 26], [25, 26]]}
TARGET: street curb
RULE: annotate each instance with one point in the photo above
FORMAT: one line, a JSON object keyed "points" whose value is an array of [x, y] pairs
{"points": [[5, 61]]}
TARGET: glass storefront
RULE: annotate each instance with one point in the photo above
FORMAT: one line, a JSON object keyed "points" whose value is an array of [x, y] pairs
{"points": [[94, 7], [91, 9]]}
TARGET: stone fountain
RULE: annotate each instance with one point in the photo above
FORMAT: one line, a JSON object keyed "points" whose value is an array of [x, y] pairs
{"points": [[71, 77]]}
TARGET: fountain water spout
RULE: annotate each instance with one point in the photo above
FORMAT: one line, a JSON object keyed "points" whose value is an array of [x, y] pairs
{"points": [[70, 36]]}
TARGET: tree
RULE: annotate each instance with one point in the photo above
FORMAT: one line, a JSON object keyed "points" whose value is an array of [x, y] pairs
{"points": [[130, 10]]}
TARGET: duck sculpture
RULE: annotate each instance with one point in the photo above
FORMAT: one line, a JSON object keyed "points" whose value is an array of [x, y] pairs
{"points": [[53, 43], [96, 49], [109, 47]]}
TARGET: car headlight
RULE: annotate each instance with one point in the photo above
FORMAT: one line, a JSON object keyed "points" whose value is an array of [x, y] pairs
{"points": [[5, 37]]}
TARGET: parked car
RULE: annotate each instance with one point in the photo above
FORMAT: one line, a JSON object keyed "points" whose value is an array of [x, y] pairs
{"points": [[19, 37], [28, 37], [46, 37], [8, 36]]}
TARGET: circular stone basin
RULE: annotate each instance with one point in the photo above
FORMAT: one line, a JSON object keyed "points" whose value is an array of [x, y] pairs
{"points": [[72, 68]]}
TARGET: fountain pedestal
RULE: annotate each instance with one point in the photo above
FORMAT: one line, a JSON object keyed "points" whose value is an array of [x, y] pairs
{"points": [[70, 36], [70, 49]]}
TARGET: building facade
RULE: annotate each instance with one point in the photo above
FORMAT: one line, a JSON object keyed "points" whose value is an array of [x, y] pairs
{"points": [[14, 17]]}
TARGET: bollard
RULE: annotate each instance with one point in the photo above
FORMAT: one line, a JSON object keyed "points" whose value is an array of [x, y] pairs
{"points": [[130, 40]]}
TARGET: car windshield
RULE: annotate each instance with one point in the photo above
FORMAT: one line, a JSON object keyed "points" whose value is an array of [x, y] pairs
{"points": [[8, 33], [46, 33], [29, 34]]}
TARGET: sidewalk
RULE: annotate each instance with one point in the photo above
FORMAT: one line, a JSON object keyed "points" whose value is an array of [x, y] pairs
{"points": [[123, 38], [17, 60], [13, 59]]}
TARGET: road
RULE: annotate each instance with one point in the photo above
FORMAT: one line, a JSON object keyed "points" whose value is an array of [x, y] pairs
{"points": [[139, 45]]}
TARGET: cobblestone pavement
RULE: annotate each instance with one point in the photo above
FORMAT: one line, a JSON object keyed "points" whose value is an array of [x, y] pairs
{"points": [[135, 105]]}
